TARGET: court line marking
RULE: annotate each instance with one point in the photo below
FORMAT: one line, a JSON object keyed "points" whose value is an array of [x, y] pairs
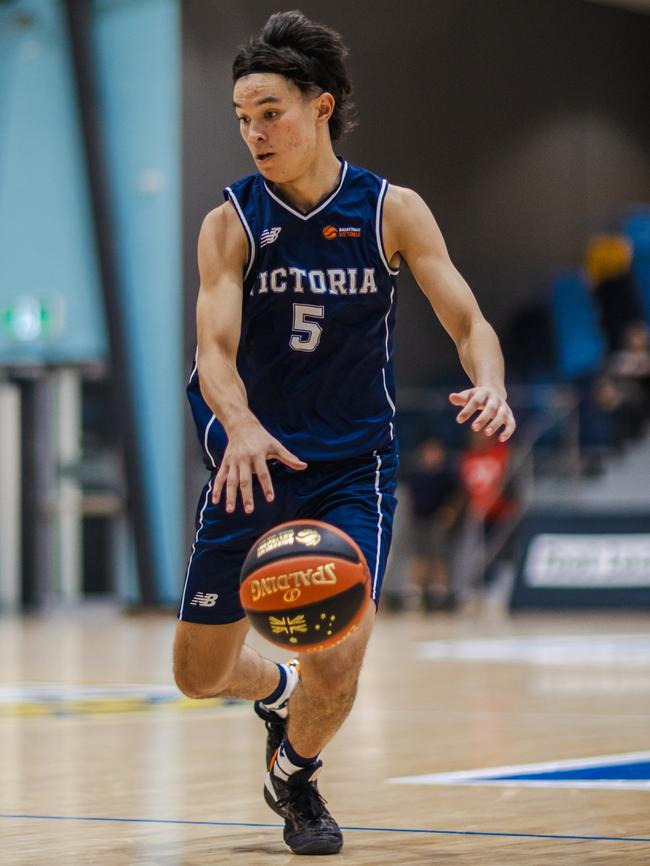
{"points": [[485, 776], [560, 837], [61, 699], [555, 651]]}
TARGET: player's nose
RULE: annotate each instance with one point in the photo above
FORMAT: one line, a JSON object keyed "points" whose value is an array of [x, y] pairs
{"points": [[255, 133]]}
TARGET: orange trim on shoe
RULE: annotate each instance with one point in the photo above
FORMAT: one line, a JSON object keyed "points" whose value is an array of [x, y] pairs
{"points": [[272, 761]]}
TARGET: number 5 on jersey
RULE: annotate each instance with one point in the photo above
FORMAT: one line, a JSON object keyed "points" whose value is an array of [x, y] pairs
{"points": [[306, 333]]}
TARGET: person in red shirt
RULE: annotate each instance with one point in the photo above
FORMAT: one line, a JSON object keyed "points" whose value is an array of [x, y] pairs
{"points": [[483, 471]]}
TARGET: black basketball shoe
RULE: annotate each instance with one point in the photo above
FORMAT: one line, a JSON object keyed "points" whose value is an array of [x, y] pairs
{"points": [[275, 728], [308, 826], [275, 720]]}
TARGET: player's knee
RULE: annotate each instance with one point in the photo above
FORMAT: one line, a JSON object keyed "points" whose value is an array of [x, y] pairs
{"points": [[195, 677], [199, 684]]}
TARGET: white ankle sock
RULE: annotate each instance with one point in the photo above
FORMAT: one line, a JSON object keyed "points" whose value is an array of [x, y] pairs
{"points": [[279, 704], [288, 761]]}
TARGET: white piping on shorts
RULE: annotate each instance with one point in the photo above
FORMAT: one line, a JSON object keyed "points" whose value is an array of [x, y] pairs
{"points": [[205, 440], [379, 523], [383, 369], [196, 538]]}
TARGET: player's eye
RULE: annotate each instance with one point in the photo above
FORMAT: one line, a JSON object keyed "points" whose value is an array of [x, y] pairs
{"points": [[243, 119], [269, 115]]}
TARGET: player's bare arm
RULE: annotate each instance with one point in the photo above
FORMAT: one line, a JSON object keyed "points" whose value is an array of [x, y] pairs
{"points": [[222, 253], [410, 231]]}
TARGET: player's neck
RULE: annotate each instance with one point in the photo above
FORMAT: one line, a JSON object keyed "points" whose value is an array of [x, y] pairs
{"points": [[320, 178]]}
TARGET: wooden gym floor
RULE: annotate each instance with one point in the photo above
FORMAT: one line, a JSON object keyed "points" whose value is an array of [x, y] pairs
{"points": [[102, 762]]}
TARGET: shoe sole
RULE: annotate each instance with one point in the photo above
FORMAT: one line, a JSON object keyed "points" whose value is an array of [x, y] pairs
{"points": [[322, 845], [317, 847]]}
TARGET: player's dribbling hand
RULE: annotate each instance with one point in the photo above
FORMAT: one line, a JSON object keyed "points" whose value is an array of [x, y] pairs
{"points": [[246, 455], [494, 410]]}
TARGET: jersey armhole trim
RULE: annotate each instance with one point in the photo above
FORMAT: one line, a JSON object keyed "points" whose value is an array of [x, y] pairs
{"points": [[378, 228], [249, 234]]}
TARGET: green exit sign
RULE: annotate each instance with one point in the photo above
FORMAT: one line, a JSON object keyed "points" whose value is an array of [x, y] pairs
{"points": [[27, 319]]}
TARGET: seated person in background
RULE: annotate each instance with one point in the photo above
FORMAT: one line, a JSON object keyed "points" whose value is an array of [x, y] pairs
{"points": [[435, 502], [622, 392], [629, 367]]}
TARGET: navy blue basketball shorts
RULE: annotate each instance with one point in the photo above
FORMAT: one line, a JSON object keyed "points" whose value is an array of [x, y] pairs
{"points": [[356, 495]]}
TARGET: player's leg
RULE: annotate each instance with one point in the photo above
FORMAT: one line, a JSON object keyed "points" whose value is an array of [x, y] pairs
{"points": [[210, 657], [212, 660], [319, 704], [359, 497], [327, 689]]}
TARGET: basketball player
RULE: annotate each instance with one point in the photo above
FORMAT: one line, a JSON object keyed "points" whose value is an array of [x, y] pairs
{"points": [[293, 388]]}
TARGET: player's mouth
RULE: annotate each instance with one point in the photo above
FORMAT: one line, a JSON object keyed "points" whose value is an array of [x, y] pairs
{"points": [[263, 157]]}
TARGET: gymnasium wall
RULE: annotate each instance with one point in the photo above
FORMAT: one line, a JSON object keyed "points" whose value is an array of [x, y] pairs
{"points": [[523, 124], [52, 315]]}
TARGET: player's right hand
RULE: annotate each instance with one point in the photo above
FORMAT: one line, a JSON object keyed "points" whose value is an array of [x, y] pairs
{"points": [[246, 454]]}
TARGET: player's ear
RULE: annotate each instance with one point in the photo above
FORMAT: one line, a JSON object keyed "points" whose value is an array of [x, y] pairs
{"points": [[325, 103]]}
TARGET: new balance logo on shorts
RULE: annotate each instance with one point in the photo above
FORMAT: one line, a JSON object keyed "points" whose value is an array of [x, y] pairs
{"points": [[268, 236], [205, 599]]}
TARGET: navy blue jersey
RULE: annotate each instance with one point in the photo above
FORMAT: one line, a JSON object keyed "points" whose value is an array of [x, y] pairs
{"points": [[316, 346]]}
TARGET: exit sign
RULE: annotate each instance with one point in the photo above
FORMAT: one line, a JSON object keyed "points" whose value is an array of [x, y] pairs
{"points": [[27, 319]]}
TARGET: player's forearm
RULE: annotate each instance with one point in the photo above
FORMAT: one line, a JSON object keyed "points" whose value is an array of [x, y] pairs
{"points": [[223, 389], [480, 354]]}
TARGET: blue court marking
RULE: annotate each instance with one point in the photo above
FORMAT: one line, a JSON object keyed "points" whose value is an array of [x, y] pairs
{"points": [[364, 829], [631, 771], [624, 772]]}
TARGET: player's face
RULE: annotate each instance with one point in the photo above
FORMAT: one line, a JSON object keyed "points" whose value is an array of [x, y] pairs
{"points": [[278, 124]]}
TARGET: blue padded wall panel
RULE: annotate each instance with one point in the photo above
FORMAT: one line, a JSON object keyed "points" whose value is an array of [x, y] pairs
{"points": [[579, 342], [138, 47], [46, 240]]}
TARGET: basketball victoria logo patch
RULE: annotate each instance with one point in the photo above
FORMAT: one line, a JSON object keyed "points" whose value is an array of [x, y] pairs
{"points": [[330, 233]]}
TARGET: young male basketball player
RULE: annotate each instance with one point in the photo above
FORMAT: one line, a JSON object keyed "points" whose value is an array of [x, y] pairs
{"points": [[293, 388]]}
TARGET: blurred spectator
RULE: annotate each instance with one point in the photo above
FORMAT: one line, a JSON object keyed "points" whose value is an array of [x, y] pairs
{"points": [[483, 470], [609, 266], [435, 502], [630, 366], [622, 393]]}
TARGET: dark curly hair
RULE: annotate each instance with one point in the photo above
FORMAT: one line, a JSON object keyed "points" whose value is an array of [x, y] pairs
{"points": [[307, 53]]}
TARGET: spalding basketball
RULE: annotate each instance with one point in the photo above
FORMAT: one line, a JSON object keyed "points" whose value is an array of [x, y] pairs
{"points": [[305, 585]]}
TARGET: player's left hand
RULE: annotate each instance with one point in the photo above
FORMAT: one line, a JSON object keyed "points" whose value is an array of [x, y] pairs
{"points": [[494, 410]]}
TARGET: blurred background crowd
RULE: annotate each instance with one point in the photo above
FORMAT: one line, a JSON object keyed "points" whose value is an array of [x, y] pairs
{"points": [[587, 344]]}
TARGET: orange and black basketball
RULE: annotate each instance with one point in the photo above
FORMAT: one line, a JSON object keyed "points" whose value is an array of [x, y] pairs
{"points": [[305, 585], [330, 232]]}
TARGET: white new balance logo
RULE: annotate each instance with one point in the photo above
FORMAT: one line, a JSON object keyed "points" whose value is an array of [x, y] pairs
{"points": [[205, 599], [268, 236]]}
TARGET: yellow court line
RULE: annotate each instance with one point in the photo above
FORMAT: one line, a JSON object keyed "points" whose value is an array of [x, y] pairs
{"points": [[104, 706]]}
